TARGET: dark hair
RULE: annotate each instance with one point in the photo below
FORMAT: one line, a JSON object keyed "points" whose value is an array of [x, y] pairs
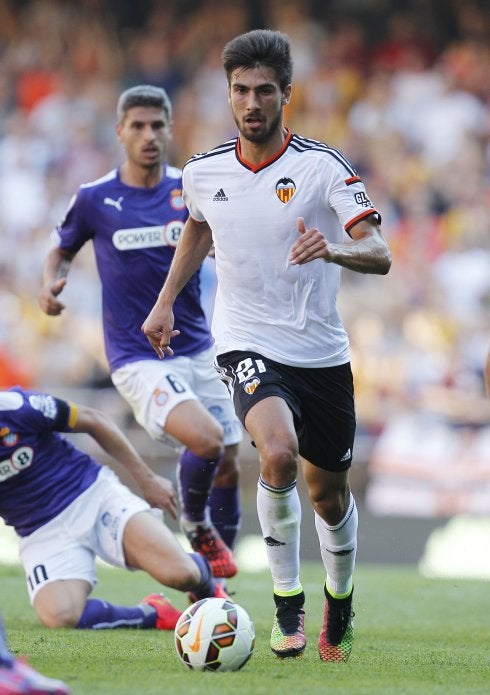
{"points": [[260, 47], [143, 95]]}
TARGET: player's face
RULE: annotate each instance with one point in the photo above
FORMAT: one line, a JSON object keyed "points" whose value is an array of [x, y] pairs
{"points": [[145, 133], [256, 102]]}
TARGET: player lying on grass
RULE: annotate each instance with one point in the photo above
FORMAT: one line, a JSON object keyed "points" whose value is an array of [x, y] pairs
{"points": [[68, 509]]}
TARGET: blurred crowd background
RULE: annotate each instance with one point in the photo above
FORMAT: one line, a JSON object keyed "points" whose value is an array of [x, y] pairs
{"points": [[401, 86]]}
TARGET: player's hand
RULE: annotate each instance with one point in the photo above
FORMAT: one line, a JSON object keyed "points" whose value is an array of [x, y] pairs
{"points": [[310, 245], [159, 330], [47, 298], [160, 493]]}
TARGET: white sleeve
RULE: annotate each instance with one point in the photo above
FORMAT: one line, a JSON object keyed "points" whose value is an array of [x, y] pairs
{"points": [[189, 197], [348, 198]]}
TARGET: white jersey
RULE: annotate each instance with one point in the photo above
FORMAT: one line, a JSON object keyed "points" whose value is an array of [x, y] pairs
{"points": [[263, 303]]}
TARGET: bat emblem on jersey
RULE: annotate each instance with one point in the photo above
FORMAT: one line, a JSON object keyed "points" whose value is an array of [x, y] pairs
{"points": [[114, 203], [285, 189]]}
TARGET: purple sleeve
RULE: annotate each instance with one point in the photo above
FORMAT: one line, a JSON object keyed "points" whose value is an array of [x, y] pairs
{"points": [[73, 231]]}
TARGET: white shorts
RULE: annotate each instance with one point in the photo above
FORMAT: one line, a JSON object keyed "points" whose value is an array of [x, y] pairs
{"points": [[154, 387], [92, 525]]}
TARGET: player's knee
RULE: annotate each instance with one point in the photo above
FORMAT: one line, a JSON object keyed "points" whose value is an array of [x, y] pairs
{"points": [[330, 504], [184, 576], [279, 463], [58, 616], [209, 445]]}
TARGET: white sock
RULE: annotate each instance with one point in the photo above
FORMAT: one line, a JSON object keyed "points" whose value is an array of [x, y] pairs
{"points": [[279, 512], [338, 546]]}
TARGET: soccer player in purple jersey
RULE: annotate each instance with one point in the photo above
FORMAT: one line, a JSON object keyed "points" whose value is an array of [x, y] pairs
{"points": [[134, 216], [68, 509], [279, 209]]}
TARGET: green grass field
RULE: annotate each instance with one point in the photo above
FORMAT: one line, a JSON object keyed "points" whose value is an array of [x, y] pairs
{"points": [[413, 635]]}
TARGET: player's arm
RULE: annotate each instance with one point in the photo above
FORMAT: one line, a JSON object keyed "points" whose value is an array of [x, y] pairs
{"points": [[367, 252], [55, 271], [194, 245], [158, 491]]}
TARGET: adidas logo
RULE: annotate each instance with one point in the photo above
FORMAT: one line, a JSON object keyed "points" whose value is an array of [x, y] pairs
{"points": [[346, 456], [272, 542], [220, 195]]}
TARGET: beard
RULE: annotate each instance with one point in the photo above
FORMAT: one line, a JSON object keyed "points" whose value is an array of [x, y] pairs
{"points": [[259, 137]]}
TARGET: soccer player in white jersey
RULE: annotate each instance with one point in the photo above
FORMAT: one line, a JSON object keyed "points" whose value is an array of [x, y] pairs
{"points": [[278, 207], [68, 509], [134, 216]]}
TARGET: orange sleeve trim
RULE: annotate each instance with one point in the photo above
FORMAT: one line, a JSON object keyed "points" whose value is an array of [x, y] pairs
{"points": [[360, 217], [352, 179]]}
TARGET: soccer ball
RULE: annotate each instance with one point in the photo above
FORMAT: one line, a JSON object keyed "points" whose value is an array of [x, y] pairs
{"points": [[214, 634]]}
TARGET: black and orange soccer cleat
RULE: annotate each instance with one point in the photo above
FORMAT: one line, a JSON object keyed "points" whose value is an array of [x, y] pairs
{"points": [[337, 633]]}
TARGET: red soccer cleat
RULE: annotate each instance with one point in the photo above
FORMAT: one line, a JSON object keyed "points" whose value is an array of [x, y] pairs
{"points": [[206, 541], [167, 615]]}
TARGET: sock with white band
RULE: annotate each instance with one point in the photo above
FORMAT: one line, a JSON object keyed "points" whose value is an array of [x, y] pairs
{"points": [[279, 512], [338, 546]]}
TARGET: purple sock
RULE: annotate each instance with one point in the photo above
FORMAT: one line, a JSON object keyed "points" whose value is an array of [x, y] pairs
{"points": [[224, 503], [101, 615], [195, 480], [206, 587]]}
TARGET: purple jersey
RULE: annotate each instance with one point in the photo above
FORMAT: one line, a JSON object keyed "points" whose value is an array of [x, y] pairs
{"points": [[135, 231], [41, 472]]}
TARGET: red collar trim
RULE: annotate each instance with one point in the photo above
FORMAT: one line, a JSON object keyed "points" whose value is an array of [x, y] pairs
{"points": [[258, 167]]}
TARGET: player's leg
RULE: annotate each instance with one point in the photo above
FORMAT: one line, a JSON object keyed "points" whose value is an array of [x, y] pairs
{"points": [[224, 500], [326, 449], [164, 403], [127, 534], [16, 676], [6, 657], [271, 426], [66, 604], [195, 479], [336, 524], [60, 571], [62, 600], [151, 546], [202, 437], [61, 603], [59, 560]]}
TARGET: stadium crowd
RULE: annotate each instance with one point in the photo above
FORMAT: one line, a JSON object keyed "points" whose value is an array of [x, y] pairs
{"points": [[401, 87]]}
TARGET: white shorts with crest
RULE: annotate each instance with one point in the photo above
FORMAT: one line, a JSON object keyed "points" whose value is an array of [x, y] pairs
{"points": [[92, 525], [154, 387]]}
